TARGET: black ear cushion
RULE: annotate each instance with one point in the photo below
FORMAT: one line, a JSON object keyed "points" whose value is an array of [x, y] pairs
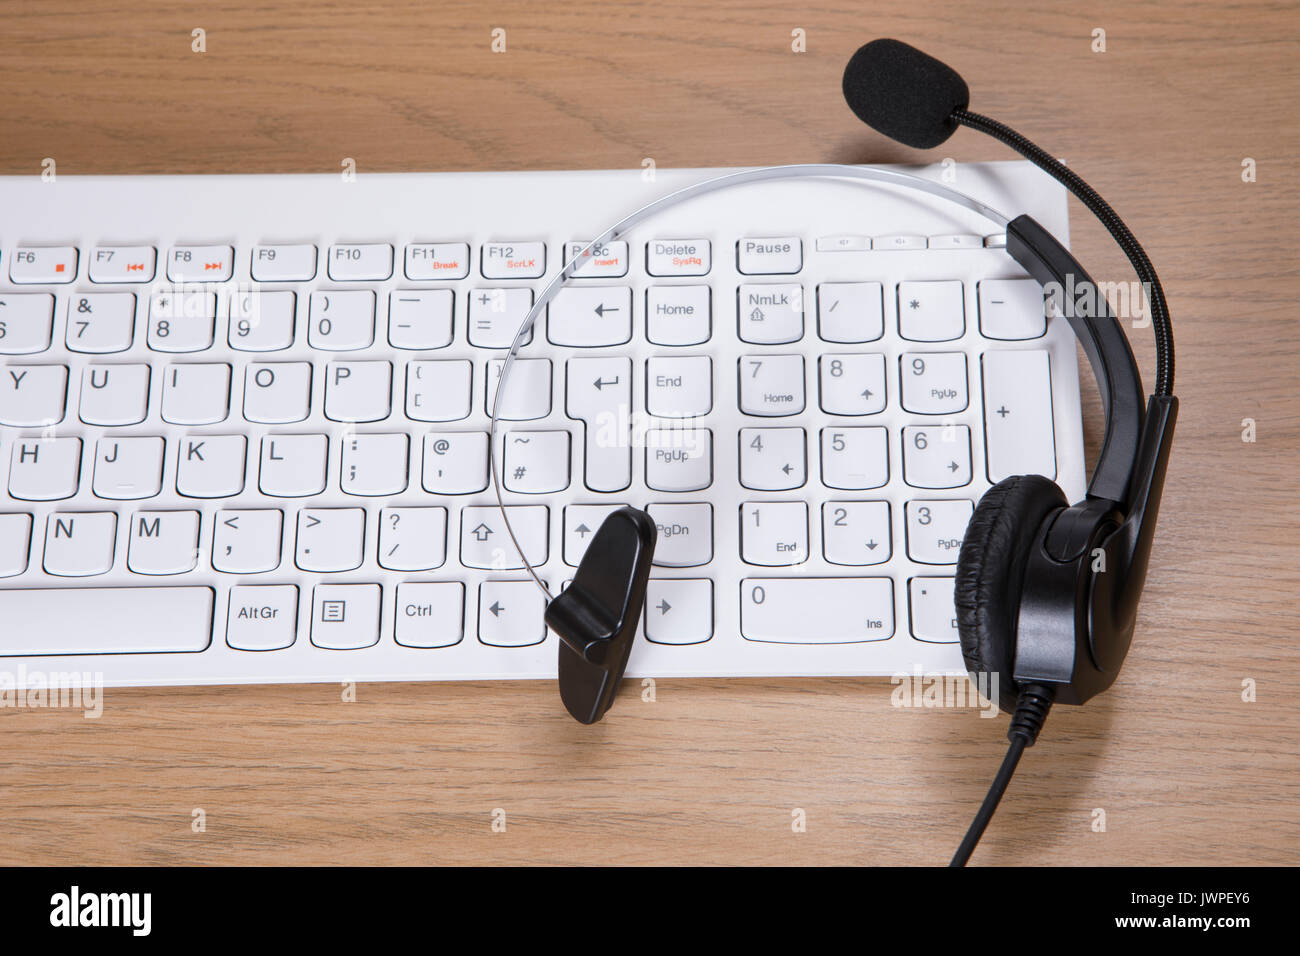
{"points": [[991, 571]]}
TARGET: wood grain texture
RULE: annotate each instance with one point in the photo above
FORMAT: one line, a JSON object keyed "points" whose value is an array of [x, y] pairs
{"points": [[709, 772]]}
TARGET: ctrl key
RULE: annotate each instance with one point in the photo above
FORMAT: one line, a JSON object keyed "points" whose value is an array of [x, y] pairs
{"points": [[262, 617], [430, 614], [345, 617]]}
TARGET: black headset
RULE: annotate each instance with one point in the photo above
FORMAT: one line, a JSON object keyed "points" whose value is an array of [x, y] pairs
{"points": [[1046, 591]]}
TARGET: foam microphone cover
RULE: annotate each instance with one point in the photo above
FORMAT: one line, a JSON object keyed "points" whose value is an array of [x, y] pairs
{"points": [[903, 93]]}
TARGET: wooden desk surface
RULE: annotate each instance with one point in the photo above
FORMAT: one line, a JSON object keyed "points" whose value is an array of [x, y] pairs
{"points": [[709, 773]]}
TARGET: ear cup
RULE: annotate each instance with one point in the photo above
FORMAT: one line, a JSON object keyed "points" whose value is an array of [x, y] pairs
{"points": [[991, 572]]}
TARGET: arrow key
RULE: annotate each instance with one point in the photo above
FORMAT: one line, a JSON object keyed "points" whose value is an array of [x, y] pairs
{"points": [[856, 533], [679, 610], [580, 523], [510, 614], [937, 457], [773, 459]]}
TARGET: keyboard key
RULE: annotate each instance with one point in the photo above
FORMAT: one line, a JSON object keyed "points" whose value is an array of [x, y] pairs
{"points": [[899, 243], [605, 261], [262, 617], [26, 322], [852, 384], [293, 466], [331, 539], [163, 542], [679, 459], [262, 321], [773, 459], [33, 396], [44, 469], [598, 392], [513, 260], [439, 391], [342, 321], [200, 263], [43, 265], [277, 393], [128, 468], [678, 610], [495, 316], [105, 621], [455, 463], [774, 533], [931, 311], [935, 529], [437, 260], [937, 457], [528, 393], [779, 256], [358, 391], [934, 383], [361, 263], [843, 243], [291, 263], [931, 609], [536, 463], [678, 314], [770, 314], [771, 385], [678, 257], [247, 542], [196, 394], [181, 322], [850, 312], [510, 614], [211, 466], [685, 534], [114, 395], [374, 465], [15, 541], [816, 610], [485, 543], [855, 458], [101, 322], [1012, 309], [590, 317], [412, 539], [1019, 436], [679, 387], [430, 614], [957, 241], [123, 263], [856, 533], [580, 523], [79, 545], [420, 319], [345, 617]]}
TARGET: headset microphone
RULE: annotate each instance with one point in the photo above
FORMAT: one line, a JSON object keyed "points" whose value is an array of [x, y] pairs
{"points": [[1046, 592], [903, 93]]}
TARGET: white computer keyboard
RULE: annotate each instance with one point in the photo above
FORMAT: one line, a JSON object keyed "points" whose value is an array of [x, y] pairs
{"points": [[243, 419]]}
